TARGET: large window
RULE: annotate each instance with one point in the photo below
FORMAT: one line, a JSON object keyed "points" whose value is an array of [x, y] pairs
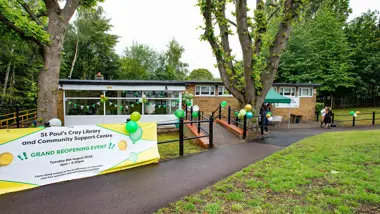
{"points": [[201, 90], [121, 102], [84, 107], [305, 92], [290, 92], [222, 91]]}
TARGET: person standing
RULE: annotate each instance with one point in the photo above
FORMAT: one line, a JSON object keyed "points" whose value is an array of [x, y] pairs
{"points": [[327, 119], [323, 113]]}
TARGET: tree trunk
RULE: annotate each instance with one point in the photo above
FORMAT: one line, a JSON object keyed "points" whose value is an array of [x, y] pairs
{"points": [[47, 103], [74, 60], [8, 70]]}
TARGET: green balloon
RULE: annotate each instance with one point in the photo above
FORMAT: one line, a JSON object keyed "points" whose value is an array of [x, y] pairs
{"points": [[236, 113], [352, 112], [132, 157], [177, 124], [179, 113], [224, 104], [102, 100], [135, 116], [106, 98], [136, 136], [270, 113], [188, 102], [195, 114], [132, 126]]}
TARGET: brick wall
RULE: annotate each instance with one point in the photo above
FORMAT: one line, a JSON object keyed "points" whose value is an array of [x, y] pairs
{"points": [[207, 104]]}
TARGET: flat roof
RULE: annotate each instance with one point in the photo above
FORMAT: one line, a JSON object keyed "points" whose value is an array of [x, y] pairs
{"points": [[165, 82], [121, 82]]}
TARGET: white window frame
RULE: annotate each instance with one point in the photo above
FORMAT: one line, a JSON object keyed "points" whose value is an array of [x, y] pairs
{"points": [[200, 91], [281, 91], [300, 92], [121, 98], [223, 90]]}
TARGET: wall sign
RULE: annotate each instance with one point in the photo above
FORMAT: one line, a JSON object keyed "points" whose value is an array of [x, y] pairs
{"points": [[295, 103]]}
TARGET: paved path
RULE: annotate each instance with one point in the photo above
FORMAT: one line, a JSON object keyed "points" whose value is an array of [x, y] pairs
{"points": [[139, 190], [222, 137], [146, 189]]}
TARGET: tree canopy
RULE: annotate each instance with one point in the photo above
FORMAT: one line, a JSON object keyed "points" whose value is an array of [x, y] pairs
{"points": [[89, 47], [200, 74], [143, 62], [318, 52]]}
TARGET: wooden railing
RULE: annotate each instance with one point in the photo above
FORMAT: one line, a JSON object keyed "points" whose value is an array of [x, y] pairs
{"points": [[23, 117]]}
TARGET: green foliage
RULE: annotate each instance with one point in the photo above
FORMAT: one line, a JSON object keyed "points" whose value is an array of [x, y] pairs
{"points": [[144, 63], [24, 64], [13, 11], [139, 62], [319, 107], [95, 47], [318, 52], [200, 74], [364, 38]]}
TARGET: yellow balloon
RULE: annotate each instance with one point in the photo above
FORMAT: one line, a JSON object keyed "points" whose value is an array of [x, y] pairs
{"points": [[358, 112], [268, 115], [122, 145], [248, 107], [6, 159]]}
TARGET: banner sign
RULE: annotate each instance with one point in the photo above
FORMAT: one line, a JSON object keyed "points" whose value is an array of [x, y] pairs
{"points": [[34, 157], [295, 103]]}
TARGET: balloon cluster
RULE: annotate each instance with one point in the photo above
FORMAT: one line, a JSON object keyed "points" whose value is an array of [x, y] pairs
{"points": [[134, 130], [143, 99], [103, 98], [269, 116], [186, 98], [354, 114], [246, 111]]}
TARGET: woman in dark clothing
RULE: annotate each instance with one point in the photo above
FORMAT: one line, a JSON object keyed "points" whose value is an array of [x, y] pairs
{"points": [[327, 119]]}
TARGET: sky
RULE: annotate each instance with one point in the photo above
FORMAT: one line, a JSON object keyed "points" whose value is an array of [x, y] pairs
{"points": [[156, 22]]}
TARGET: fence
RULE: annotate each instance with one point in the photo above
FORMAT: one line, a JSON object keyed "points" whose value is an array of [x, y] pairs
{"points": [[181, 138], [19, 117], [242, 123], [347, 119], [349, 102]]}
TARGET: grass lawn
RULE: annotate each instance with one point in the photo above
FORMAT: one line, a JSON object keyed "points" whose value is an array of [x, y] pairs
{"points": [[171, 150], [328, 173], [364, 118]]}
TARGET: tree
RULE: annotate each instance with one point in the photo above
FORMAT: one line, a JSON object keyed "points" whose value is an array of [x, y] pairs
{"points": [[143, 62], [318, 52], [139, 62], [89, 48], [261, 45], [174, 68], [200, 74], [48, 32], [18, 69], [364, 38]]}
